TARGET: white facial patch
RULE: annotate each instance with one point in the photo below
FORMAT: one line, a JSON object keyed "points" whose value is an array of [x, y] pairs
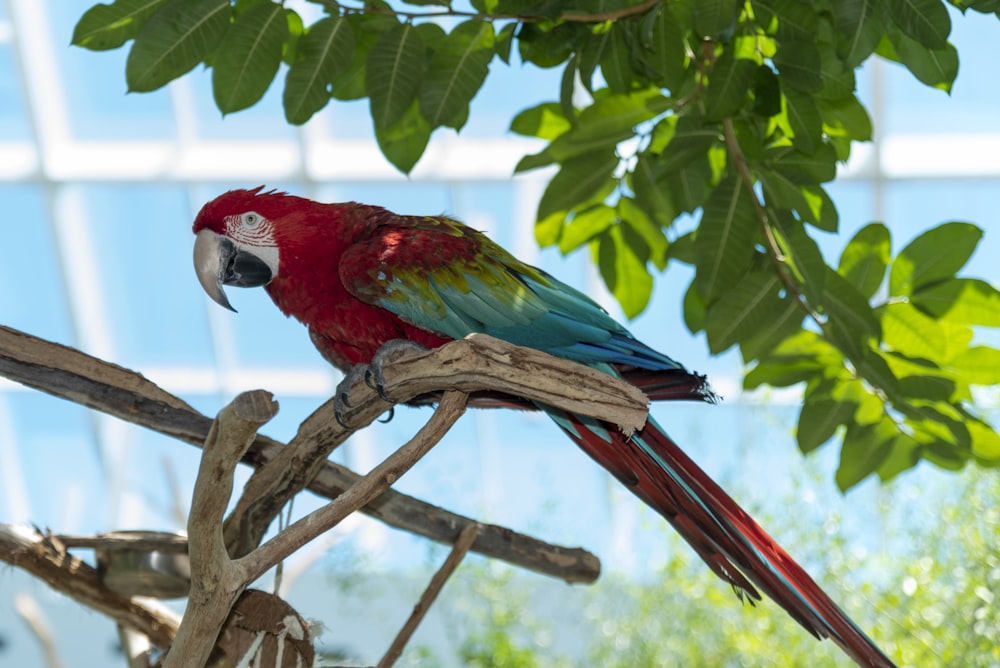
{"points": [[252, 232]]}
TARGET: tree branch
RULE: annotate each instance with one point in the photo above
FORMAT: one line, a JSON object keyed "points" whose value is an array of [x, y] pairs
{"points": [[216, 581], [567, 17], [458, 552], [46, 559], [70, 374]]}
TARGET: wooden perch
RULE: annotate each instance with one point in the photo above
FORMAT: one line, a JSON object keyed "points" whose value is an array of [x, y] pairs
{"points": [[45, 558], [81, 378], [478, 362], [217, 581]]}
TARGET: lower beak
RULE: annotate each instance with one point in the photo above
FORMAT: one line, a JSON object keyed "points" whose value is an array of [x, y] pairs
{"points": [[218, 261]]}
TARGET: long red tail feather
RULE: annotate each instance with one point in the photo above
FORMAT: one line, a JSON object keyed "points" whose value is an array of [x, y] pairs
{"points": [[733, 545]]}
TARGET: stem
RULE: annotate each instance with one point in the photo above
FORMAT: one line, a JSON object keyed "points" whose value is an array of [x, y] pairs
{"points": [[770, 242]]}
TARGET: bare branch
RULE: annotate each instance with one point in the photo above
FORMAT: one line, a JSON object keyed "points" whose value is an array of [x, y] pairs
{"points": [[46, 559], [367, 488], [458, 552], [478, 362], [216, 582], [86, 380]]}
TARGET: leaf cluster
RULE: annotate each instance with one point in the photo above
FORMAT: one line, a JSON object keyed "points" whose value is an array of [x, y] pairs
{"points": [[734, 114]]}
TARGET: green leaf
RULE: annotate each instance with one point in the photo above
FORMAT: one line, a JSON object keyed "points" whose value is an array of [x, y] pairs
{"points": [[715, 18], [819, 419], [581, 180], [865, 258], [393, 73], [968, 301], [979, 365], [799, 65], [725, 238], [907, 330], [692, 139], [792, 20], [926, 21], [805, 168], [174, 40], [985, 441], [935, 67], [615, 64], [691, 186], [903, 455], [873, 367], [585, 226], [804, 120], [838, 79], [864, 449], [368, 29], [403, 142], [782, 324], [728, 85], [694, 309], [624, 271], [742, 310], [104, 27], [846, 118], [859, 28], [766, 92], [851, 320], [545, 121], [248, 57], [652, 196], [667, 56], [802, 255], [325, 52], [456, 73], [927, 387], [936, 254], [810, 202], [611, 119], [639, 226]]}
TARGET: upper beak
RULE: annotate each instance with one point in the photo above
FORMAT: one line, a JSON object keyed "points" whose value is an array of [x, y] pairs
{"points": [[218, 261]]}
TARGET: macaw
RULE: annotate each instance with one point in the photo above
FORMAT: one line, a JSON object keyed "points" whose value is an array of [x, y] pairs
{"points": [[360, 277]]}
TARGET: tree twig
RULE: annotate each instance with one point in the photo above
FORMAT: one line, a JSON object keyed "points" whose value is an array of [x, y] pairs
{"points": [[367, 488], [29, 610], [568, 17], [458, 552]]}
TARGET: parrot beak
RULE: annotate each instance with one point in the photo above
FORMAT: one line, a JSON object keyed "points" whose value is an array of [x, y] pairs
{"points": [[218, 261]]}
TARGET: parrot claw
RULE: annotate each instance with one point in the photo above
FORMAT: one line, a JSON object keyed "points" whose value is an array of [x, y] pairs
{"points": [[373, 377], [390, 350], [343, 391]]}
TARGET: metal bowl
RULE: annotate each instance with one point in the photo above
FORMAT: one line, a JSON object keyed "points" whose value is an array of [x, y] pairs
{"points": [[130, 565]]}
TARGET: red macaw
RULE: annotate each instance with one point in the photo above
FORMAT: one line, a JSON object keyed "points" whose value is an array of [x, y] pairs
{"points": [[360, 276]]}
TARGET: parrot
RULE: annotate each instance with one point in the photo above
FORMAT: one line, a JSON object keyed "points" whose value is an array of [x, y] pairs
{"points": [[363, 279]]}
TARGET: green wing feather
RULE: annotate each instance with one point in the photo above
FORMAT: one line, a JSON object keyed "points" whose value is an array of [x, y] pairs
{"points": [[439, 275]]}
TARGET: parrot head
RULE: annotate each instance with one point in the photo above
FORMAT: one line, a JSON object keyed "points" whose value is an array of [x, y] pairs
{"points": [[237, 240]]}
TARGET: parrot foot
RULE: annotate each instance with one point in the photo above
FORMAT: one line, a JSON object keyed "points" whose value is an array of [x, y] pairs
{"points": [[372, 375], [390, 351]]}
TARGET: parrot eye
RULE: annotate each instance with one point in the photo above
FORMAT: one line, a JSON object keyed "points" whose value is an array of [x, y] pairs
{"points": [[251, 219]]}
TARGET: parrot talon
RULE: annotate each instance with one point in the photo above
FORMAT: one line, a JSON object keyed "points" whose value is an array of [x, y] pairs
{"points": [[390, 351], [341, 401], [389, 416]]}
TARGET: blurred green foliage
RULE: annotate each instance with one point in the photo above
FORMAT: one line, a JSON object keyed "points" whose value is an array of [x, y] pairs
{"points": [[929, 600]]}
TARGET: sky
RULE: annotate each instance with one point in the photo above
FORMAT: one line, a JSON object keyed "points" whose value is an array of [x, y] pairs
{"points": [[100, 188]]}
